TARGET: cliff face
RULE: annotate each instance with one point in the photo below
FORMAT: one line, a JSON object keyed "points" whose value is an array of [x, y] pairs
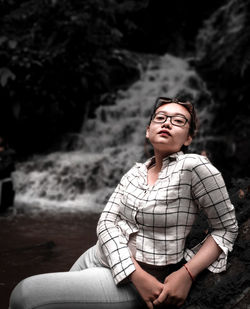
{"points": [[223, 60]]}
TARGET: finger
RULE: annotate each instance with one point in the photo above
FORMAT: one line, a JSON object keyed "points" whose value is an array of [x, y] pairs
{"points": [[149, 304], [161, 298]]}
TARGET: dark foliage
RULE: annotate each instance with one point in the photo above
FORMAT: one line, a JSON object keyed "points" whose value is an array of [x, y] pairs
{"points": [[166, 26], [61, 59], [56, 57]]}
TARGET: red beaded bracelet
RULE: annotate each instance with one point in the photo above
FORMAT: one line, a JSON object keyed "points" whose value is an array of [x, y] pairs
{"points": [[191, 276]]}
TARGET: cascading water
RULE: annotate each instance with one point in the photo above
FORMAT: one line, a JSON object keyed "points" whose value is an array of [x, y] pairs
{"points": [[109, 144]]}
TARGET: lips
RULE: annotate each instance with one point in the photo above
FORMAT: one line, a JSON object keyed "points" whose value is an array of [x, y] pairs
{"points": [[164, 133]]}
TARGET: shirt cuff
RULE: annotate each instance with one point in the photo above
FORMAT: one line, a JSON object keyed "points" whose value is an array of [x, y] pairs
{"points": [[220, 264], [121, 272]]}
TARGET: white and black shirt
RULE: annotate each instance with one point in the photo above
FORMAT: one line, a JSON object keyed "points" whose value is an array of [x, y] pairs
{"points": [[161, 216]]}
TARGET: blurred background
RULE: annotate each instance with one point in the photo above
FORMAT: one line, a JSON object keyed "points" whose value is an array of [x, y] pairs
{"points": [[78, 80]]}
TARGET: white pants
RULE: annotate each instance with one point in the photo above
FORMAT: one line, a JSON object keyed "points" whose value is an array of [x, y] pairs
{"points": [[87, 285]]}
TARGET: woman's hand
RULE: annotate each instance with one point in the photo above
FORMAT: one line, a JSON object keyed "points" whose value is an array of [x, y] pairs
{"points": [[176, 288], [147, 285]]}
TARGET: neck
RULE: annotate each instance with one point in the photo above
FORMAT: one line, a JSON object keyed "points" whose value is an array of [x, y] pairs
{"points": [[159, 159]]}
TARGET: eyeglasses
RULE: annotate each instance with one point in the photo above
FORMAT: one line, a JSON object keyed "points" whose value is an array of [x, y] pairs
{"points": [[177, 120]]}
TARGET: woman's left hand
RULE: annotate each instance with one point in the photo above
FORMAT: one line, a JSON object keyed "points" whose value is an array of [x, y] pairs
{"points": [[176, 288]]}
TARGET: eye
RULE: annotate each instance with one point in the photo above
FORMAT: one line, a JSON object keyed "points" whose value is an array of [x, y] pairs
{"points": [[159, 118], [179, 120]]}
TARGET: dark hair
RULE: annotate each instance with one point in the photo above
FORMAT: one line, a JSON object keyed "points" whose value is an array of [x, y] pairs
{"points": [[193, 124]]}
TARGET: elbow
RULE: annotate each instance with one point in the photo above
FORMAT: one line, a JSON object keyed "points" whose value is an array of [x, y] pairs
{"points": [[233, 229], [99, 228]]}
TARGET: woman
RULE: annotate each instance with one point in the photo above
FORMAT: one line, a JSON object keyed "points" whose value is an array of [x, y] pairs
{"points": [[138, 261]]}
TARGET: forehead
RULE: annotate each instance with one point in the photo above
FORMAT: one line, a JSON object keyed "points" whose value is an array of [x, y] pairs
{"points": [[173, 108]]}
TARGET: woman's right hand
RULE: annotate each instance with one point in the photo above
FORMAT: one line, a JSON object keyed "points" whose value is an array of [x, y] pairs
{"points": [[147, 285]]}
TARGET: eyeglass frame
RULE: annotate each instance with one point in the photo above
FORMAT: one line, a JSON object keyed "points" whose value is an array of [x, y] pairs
{"points": [[167, 116]]}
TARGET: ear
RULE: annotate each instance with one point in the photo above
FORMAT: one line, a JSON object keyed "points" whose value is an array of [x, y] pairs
{"points": [[147, 132], [188, 140]]}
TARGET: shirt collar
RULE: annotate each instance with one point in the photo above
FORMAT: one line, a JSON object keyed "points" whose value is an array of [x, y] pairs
{"points": [[172, 157]]}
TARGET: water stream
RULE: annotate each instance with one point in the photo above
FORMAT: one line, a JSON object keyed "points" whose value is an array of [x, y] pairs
{"points": [[109, 144]]}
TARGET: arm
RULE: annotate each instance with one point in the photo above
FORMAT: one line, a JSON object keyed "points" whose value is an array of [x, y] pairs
{"points": [[208, 253], [122, 265], [108, 232], [210, 193], [177, 285]]}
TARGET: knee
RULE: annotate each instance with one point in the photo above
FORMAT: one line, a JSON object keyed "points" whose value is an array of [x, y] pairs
{"points": [[17, 298], [20, 297]]}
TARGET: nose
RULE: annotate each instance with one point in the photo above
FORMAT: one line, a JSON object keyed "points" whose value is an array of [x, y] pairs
{"points": [[167, 122]]}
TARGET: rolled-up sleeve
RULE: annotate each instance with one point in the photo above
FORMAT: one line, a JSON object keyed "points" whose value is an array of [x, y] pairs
{"points": [[210, 193], [108, 232]]}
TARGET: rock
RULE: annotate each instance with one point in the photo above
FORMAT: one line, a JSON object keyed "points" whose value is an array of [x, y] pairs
{"points": [[223, 60], [228, 289]]}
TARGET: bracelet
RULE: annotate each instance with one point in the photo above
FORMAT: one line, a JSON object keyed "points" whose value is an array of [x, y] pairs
{"points": [[191, 276]]}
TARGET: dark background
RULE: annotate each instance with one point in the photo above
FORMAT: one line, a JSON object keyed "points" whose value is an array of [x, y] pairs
{"points": [[59, 60]]}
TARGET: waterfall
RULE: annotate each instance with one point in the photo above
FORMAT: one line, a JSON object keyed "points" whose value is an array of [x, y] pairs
{"points": [[109, 144]]}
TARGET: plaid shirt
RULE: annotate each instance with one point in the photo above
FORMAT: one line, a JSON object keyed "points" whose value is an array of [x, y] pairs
{"points": [[162, 215]]}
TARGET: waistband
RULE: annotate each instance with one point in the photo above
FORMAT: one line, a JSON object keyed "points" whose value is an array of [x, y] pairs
{"points": [[161, 272]]}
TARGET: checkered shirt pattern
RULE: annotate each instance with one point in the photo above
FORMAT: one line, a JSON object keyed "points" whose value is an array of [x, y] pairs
{"points": [[162, 215]]}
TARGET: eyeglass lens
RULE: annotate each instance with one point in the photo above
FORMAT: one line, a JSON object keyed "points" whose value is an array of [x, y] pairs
{"points": [[175, 120]]}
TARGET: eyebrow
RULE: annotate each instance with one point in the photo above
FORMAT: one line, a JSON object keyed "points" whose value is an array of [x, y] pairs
{"points": [[175, 114]]}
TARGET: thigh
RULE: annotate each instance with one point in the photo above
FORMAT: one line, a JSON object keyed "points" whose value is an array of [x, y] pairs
{"points": [[87, 260], [91, 288]]}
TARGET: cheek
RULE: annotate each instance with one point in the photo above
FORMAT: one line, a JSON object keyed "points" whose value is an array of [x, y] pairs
{"points": [[150, 131], [149, 135], [183, 137], [186, 138]]}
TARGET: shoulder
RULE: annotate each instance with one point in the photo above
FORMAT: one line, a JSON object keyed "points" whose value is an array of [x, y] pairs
{"points": [[133, 171], [199, 165], [193, 160]]}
